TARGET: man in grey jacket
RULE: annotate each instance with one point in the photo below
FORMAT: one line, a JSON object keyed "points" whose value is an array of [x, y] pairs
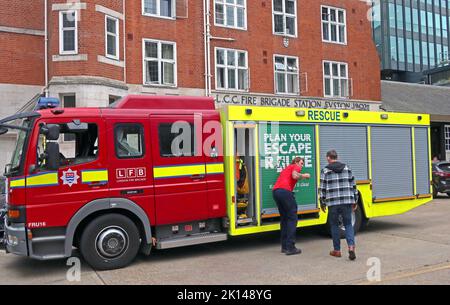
{"points": [[338, 192]]}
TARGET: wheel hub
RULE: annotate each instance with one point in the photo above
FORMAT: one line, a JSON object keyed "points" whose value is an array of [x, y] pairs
{"points": [[112, 242]]}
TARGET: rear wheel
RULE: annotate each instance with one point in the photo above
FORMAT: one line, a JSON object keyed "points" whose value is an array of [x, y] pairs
{"points": [[358, 222], [435, 192], [110, 242]]}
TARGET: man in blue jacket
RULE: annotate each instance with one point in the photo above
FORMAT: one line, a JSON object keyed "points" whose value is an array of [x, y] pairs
{"points": [[338, 192]]}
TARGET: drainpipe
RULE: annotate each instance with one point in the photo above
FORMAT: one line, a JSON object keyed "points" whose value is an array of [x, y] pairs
{"points": [[207, 41], [46, 46], [124, 44]]}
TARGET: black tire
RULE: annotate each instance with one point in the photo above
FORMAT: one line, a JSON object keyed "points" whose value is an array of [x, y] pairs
{"points": [[357, 226], [448, 194], [110, 242]]}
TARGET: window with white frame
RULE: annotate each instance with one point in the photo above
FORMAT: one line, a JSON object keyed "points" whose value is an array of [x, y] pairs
{"points": [[159, 8], [286, 74], [231, 69], [285, 17], [68, 32], [336, 81], [112, 37], [160, 65], [447, 138], [231, 13], [334, 27]]}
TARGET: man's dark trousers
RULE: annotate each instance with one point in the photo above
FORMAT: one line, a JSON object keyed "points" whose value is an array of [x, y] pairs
{"points": [[287, 207]]}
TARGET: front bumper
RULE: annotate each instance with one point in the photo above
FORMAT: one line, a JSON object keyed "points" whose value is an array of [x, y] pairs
{"points": [[16, 238], [443, 187]]}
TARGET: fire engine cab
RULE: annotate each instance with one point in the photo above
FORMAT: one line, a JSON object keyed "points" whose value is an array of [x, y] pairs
{"points": [[149, 173]]}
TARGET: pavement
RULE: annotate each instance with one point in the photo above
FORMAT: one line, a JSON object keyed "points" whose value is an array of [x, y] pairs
{"points": [[413, 248]]}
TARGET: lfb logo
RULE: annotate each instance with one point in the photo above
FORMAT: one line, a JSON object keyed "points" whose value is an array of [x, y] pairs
{"points": [[70, 177], [130, 173]]}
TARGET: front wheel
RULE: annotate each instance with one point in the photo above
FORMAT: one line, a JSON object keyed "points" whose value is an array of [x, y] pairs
{"points": [[110, 242]]}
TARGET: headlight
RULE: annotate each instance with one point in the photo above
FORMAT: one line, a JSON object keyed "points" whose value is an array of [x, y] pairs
{"points": [[12, 240]]}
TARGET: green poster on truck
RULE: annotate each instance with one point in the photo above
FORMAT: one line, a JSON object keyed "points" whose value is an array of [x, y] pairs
{"points": [[279, 144]]}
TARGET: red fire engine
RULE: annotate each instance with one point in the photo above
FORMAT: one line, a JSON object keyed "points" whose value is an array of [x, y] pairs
{"points": [[115, 181]]}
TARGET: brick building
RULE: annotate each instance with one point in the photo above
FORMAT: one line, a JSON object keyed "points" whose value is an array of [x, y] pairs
{"points": [[291, 53]]}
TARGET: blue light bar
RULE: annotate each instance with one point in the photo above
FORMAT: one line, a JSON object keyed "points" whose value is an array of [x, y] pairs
{"points": [[47, 103]]}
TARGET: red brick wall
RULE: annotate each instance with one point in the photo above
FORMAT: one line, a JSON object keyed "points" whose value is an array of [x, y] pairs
{"points": [[21, 59], [22, 56], [27, 14], [91, 41], [187, 33], [359, 53]]}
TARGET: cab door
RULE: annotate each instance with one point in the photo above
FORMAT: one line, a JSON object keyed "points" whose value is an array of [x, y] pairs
{"points": [[54, 196], [178, 168], [130, 162]]}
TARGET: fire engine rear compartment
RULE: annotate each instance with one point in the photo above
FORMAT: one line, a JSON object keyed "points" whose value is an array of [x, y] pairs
{"points": [[363, 141]]}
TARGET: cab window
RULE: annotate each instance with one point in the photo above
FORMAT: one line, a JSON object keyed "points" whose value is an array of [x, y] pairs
{"points": [[176, 140], [129, 141], [78, 144]]}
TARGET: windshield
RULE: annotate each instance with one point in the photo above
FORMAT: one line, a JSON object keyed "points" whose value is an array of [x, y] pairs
{"points": [[20, 147]]}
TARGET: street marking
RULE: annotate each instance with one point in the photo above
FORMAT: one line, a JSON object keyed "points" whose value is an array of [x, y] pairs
{"points": [[424, 270]]}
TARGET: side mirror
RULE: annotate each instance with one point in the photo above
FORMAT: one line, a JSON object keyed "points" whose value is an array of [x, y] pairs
{"points": [[7, 168], [52, 159], [51, 131]]}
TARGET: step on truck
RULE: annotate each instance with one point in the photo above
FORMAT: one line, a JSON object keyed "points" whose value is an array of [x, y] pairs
{"points": [[154, 172]]}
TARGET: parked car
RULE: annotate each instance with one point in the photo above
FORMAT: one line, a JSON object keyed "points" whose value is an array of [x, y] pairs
{"points": [[2, 207], [441, 178]]}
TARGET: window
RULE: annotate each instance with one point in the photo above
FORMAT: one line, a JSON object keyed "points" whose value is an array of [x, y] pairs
{"points": [[176, 139], [334, 25], [159, 8], [68, 32], [447, 137], [159, 63], [231, 13], [82, 148], [129, 140], [69, 101], [112, 37], [112, 99], [231, 69], [336, 81], [286, 75], [285, 17]]}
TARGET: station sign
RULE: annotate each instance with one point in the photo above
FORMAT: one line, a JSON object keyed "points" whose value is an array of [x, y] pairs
{"points": [[223, 99]]}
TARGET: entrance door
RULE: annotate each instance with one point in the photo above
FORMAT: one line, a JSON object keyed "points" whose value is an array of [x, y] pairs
{"points": [[179, 168], [436, 142]]}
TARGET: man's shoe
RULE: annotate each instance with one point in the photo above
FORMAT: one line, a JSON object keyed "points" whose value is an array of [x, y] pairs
{"points": [[293, 251], [336, 253], [351, 255]]}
